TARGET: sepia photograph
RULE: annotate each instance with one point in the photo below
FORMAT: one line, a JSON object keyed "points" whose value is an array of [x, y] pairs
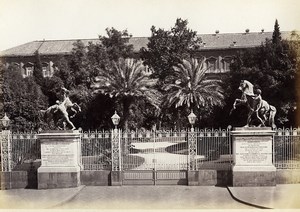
{"points": [[109, 105]]}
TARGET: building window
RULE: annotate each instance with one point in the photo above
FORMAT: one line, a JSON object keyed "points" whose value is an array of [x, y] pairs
{"points": [[16, 64], [211, 64], [28, 69], [226, 64], [45, 72]]}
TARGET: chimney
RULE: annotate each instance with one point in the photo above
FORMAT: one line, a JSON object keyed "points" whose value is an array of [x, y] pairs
{"points": [[247, 31], [233, 43], [262, 31]]}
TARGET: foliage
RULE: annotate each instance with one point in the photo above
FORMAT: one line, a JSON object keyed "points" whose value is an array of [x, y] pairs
{"points": [[189, 86], [37, 71], [78, 71], [63, 72], [2, 68], [276, 37], [272, 67], [166, 48], [116, 44], [294, 43], [23, 99], [52, 89], [127, 81]]}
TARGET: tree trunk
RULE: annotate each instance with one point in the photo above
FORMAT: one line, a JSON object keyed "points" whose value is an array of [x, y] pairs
{"points": [[126, 107]]}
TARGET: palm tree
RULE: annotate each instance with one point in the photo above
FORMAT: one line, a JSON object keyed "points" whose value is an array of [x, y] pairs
{"points": [[189, 86], [128, 81]]}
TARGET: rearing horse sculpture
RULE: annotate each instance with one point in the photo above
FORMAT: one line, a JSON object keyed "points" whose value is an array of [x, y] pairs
{"points": [[263, 111], [61, 108]]}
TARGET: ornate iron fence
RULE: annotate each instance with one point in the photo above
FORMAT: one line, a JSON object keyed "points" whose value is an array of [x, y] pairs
{"points": [[214, 150], [96, 150], [175, 150], [25, 150], [154, 150], [287, 148], [164, 150]]}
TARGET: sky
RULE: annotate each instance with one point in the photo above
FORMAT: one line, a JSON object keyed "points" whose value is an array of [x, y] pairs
{"points": [[23, 21]]}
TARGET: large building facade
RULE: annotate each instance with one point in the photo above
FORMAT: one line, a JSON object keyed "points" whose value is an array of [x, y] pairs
{"points": [[217, 48]]}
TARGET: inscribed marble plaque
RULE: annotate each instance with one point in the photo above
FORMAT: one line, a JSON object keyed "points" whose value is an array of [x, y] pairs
{"points": [[253, 150], [57, 154]]}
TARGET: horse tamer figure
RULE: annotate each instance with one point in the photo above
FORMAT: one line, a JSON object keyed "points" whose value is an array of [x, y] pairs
{"points": [[259, 108], [59, 111]]}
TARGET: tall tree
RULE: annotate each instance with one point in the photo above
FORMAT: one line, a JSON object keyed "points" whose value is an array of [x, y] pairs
{"points": [[127, 81], [63, 72], [276, 37], [37, 71], [52, 89], [2, 68], [23, 99], [166, 48], [117, 44], [80, 72], [190, 87], [272, 67]]}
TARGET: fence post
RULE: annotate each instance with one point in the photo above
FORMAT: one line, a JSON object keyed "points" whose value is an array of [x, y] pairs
{"points": [[6, 149], [192, 166], [193, 174], [80, 150], [116, 178], [6, 159]]}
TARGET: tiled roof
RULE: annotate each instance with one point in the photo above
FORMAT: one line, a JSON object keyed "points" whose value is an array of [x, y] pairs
{"points": [[209, 41], [213, 41]]}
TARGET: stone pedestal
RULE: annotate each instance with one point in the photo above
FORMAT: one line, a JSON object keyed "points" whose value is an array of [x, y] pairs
{"points": [[252, 154], [193, 178], [116, 178], [60, 156]]}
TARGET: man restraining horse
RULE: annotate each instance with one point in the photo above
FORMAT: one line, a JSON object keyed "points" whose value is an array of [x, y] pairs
{"points": [[61, 108], [263, 111]]}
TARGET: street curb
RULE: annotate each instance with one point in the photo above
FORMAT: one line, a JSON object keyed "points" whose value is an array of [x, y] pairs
{"points": [[245, 203], [67, 199]]}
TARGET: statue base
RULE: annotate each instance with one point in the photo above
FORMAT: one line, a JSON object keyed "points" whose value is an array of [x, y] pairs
{"points": [[252, 154], [60, 156]]}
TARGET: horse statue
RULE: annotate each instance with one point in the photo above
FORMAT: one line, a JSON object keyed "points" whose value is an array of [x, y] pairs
{"points": [[59, 112], [262, 110]]}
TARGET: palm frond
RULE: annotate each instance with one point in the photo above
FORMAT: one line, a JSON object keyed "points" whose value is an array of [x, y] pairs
{"points": [[191, 87], [127, 77]]}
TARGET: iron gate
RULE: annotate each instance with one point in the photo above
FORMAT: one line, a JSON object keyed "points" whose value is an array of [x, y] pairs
{"points": [[154, 157]]}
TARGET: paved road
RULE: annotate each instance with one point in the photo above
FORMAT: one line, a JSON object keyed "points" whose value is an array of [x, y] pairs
{"points": [[154, 197]]}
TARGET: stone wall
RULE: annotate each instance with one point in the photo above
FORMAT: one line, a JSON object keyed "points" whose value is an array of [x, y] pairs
{"points": [[95, 177], [26, 179]]}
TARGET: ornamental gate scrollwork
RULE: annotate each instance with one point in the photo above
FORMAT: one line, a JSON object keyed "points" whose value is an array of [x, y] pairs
{"points": [[192, 144], [116, 150], [6, 148]]}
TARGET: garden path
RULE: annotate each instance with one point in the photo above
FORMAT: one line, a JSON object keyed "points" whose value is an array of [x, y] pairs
{"points": [[159, 158]]}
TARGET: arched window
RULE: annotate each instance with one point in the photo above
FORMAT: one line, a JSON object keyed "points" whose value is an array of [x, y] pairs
{"points": [[15, 64], [226, 63], [211, 64], [45, 69], [18, 66], [28, 69]]}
